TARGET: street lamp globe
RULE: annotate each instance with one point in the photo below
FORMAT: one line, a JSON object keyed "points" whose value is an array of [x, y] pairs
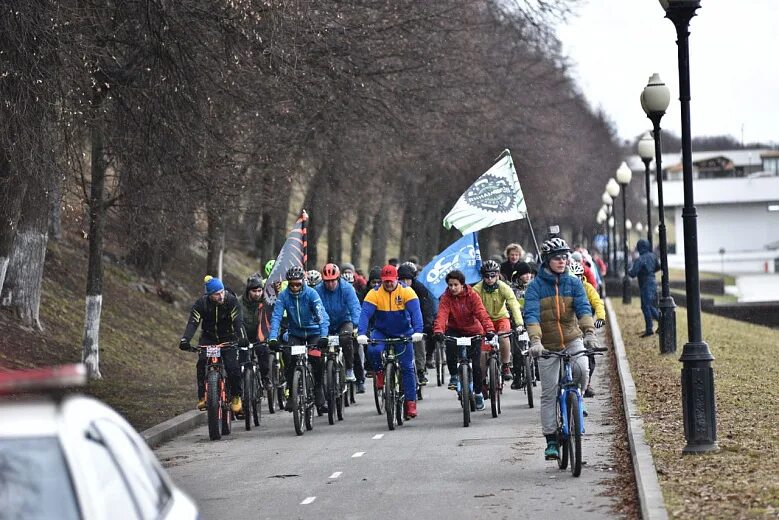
{"points": [[639, 227], [624, 174], [601, 217], [646, 147], [612, 188], [611, 222], [606, 198], [656, 96], [628, 224]]}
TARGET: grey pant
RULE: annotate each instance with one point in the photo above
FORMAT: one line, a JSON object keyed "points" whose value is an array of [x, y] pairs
{"points": [[419, 355], [549, 370]]}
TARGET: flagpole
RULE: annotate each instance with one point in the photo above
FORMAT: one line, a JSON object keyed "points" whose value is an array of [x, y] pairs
{"points": [[533, 235]]}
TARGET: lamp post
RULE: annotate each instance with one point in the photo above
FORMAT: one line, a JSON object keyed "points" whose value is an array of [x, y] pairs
{"points": [[623, 178], [655, 99], [646, 150], [600, 218], [699, 410], [612, 189], [608, 202]]}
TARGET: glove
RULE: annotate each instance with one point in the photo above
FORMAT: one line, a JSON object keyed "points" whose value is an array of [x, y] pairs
{"points": [[417, 337], [322, 343], [519, 329], [243, 343], [599, 323], [184, 344], [438, 337], [362, 339], [489, 336], [590, 341], [536, 348], [273, 343]]}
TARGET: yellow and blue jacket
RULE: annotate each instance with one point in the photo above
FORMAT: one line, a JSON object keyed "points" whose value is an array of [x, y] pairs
{"points": [[394, 314]]}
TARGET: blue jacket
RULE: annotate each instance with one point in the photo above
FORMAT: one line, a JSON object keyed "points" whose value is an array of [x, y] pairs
{"points": [[395, 313], [645, 266], [305, 314], [341, 305]]}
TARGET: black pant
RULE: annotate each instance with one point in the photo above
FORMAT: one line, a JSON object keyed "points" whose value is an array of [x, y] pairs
{"points": [[345, 341], [232, 363], [317, 367], [263, 359], [359, 368], [474, 353]]}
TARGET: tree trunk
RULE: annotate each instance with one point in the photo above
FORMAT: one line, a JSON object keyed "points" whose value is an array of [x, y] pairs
{"points": [[380, 235], [358, 232], [94, 296], [214, 240], [12, 189], [55, 215], [334, 234], [266, 237]]}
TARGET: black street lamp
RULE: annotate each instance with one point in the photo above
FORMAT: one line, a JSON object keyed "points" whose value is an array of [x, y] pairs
{"points": [[608, 203], [624, 174], [654, 100], [700, 414], [646, 150]]}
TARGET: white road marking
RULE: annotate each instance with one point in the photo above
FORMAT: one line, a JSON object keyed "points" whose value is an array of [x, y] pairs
{"points": [[336, 474], [307, 501], [378, 436], [358, 454]]}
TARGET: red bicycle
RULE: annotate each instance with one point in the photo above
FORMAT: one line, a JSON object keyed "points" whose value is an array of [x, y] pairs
{"points": [[220, 416]]}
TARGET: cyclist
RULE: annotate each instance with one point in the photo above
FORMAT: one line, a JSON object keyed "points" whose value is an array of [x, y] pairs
{"points": [[218, 314], [394, 309], [374, 282], [343, 309], [501, 303], [313, 277], [461, 313], [250, 302], [407, 273], [514, 254], [556, 314], [269, 267], [598, 308], [350, 274], [308, 323], [644, 268]]}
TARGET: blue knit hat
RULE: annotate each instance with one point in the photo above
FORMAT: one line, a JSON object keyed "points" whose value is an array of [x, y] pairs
{"points": [[213, 285]]}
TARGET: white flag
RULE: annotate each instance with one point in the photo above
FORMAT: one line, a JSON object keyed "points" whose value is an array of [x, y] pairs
{"points": [[494, 198]]}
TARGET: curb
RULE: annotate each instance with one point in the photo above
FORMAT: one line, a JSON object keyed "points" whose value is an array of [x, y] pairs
{"points": [[649, 494], [169, 429]]}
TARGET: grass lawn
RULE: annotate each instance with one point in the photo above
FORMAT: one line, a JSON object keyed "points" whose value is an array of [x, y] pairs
{"points": [[741, 480], [678, 274]]}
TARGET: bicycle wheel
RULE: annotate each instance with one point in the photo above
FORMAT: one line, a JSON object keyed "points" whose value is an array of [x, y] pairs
{"points": [[309, 406], [227, 413], [527, 363], [399, 396], [390, 397], [247, 397], [574, 434], [213, 406], [562, 440], [298, 400], [492, 374], [465, 393], [330, 390], [378, 396], [257, 401], [274, 379], [351, 393], [342, 388], [439, 364]]}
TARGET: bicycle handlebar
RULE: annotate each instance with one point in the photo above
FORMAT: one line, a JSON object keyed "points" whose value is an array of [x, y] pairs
{"points": [[399, 339], [546, 354]]}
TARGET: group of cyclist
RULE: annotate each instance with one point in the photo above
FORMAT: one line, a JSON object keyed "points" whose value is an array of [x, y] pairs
{"points": [[553, 300]]}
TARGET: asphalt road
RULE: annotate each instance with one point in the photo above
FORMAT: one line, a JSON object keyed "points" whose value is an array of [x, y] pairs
{"points": [[431, 467]]}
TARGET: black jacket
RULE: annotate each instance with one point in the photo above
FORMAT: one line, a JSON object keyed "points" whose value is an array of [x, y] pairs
{"points": [[218, 323], [425, 304]]}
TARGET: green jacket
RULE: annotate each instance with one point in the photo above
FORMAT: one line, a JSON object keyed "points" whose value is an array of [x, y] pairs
{"points": [[499, 302]]}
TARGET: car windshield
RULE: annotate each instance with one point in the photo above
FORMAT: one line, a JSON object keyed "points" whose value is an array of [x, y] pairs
{"points": [[34, 480]]}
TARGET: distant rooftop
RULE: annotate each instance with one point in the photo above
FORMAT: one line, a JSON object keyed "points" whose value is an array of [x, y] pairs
{"points": [[739, 158]]}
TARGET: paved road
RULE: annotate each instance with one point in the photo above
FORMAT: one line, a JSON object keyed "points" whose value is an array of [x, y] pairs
{"points": [[431, 467]]}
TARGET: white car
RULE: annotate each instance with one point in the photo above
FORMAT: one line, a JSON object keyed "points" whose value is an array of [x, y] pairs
{"points": [[65, 456]]}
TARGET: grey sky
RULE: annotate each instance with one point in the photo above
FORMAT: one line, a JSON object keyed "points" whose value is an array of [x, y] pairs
{"points": [[615, 45]]}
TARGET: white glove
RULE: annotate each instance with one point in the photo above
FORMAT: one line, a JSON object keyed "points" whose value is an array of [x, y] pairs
{"points": [[417, 337], [362, 339], [536, 348], [590, 341]]}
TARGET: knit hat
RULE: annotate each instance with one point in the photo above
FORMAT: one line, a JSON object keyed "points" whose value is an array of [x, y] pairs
{"points": [[389, 273], [347, 267], [375, 273], [522, 268], [213, 285], [406, 272]]}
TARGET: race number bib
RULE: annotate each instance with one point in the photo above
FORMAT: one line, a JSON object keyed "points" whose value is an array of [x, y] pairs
{"points": [[296, 350], [213, 352]]}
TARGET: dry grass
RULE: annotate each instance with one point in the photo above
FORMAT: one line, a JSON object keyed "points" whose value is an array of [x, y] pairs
{"points": [[741, 480]]}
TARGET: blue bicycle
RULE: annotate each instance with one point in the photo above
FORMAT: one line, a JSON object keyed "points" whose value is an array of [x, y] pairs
{"points": [[570, 410]]}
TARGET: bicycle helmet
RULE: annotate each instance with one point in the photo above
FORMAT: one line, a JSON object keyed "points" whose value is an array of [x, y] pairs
{"points": [[410, 265], [405, 271], [490, 266], [295, 273], [269, 267], [554, 246], [313, 277], [330, 272], [576, 269], [348, 276], [255, 281]]}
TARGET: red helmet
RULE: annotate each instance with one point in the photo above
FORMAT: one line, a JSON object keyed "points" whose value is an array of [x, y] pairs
{"points": [[330, 272]]}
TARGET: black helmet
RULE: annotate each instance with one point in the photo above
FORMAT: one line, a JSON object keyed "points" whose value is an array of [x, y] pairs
{"points": [[490, 266], [375, 273], [554, 246], [407, 270], [254, 281], [296, 273]]}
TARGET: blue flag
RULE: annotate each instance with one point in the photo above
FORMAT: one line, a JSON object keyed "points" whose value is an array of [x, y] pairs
{"points": [[463, 255]]}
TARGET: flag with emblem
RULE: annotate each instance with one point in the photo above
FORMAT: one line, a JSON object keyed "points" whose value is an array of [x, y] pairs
{"points": [[494, 198], [463, 255]]}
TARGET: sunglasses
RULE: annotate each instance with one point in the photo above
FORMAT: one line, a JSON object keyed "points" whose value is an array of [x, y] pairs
{"points": [[295, 284], [491, 275], [559, 257]]}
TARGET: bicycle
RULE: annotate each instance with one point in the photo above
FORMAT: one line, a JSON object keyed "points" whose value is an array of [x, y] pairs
{"points": [[392, 395], [253, 391], [335, 379], [465, 374], [220, 415], [570, 411], [439, 355], [524, 366], [302, 390], [278, 384], [494, 381]]}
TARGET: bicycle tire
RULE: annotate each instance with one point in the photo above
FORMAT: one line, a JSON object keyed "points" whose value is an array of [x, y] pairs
{"points": [[213, 406], [492, 374], [465, 394], [342, 387], [309, 407], [296, 394], [528, 369], [439, 364], [330, 390], [272, 388], [246, 398], [227, 414], [257, 401], [390, 398], [351, 393], [400, 413], [562, 441], [574, 434], [378, 396]]}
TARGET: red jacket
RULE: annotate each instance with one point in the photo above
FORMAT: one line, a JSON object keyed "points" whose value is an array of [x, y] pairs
{"points": [[464, 314], [589, 275]]}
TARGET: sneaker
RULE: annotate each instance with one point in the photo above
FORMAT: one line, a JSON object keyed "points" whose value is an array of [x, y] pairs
{"points": [[479, 398], [235, 405], [515, 385], [422, 378], [588, 392], [453, 382], [411, 409], [321, 410], [369, 374], [507, 376], [360, 388], [201, 404], [584, 410], [379, 377], [350, 375], [551, 452]]}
